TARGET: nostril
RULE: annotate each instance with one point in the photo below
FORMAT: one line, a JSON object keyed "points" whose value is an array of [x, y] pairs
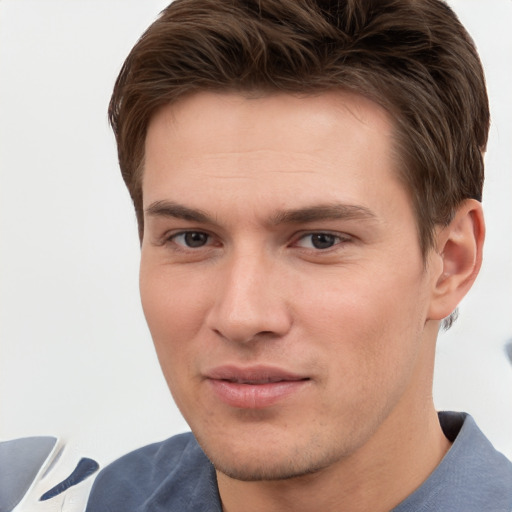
{"points": [[244, 337], [238, 319]]}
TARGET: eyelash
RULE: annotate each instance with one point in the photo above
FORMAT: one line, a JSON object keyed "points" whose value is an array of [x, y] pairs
{"points": [[337, 239], [182, 247]]}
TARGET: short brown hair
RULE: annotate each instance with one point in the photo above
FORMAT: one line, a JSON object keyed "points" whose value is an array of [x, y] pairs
{"points": [[413, 57]]}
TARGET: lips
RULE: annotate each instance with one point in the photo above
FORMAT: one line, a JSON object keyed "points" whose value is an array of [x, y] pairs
{"points": [[266, 380], [254, 387]]}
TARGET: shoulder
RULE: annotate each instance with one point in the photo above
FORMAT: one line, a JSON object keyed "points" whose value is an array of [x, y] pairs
{"points": [[473, 476], [167, 455], [474, 452], [171, 475]]}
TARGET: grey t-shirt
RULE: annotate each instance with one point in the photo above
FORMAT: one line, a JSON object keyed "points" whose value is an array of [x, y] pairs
{"points": [[176, 476]]}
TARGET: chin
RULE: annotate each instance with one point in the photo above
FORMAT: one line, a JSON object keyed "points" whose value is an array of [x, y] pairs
{"points": [[270, 470], [260, 460]]}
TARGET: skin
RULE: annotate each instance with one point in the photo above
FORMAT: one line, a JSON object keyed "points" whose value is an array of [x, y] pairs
{"points": [[277, 233]]}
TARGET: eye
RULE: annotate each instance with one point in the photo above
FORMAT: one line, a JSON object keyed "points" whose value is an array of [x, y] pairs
{"points": [[319, 241], [191, 239]]}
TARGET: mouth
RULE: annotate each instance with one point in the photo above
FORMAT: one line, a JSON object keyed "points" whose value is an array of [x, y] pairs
{"points": [[255, 387], [268, 380]]}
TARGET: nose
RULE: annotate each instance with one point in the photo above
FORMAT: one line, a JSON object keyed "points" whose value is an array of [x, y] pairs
{"points": [[250, 303]]}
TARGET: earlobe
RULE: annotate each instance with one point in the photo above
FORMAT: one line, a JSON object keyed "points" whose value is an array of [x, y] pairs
{"points": [[459, 248]]}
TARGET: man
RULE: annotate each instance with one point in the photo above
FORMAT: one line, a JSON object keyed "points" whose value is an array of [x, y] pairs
{"points": [[307, 179]]}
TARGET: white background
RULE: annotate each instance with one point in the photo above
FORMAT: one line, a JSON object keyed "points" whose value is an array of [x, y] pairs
{"points": [[76, 358]]}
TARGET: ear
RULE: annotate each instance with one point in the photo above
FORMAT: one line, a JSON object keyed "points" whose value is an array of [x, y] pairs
{"points": [[459, 254]]}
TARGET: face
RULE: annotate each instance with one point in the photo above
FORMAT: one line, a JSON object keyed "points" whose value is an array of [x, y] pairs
{"points": [[282, 279]]}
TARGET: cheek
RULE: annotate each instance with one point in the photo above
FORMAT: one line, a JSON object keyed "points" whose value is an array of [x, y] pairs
{"points": [[174, 309], [369, 321], [171, 300]]}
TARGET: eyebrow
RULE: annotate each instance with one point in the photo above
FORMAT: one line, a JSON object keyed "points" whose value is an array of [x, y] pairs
{"points": [[177, 211], [315, 213], [331, 211]]}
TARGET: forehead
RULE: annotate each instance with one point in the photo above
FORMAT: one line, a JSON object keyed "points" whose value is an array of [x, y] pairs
{"points": [[280, 148], [256, 119]]}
